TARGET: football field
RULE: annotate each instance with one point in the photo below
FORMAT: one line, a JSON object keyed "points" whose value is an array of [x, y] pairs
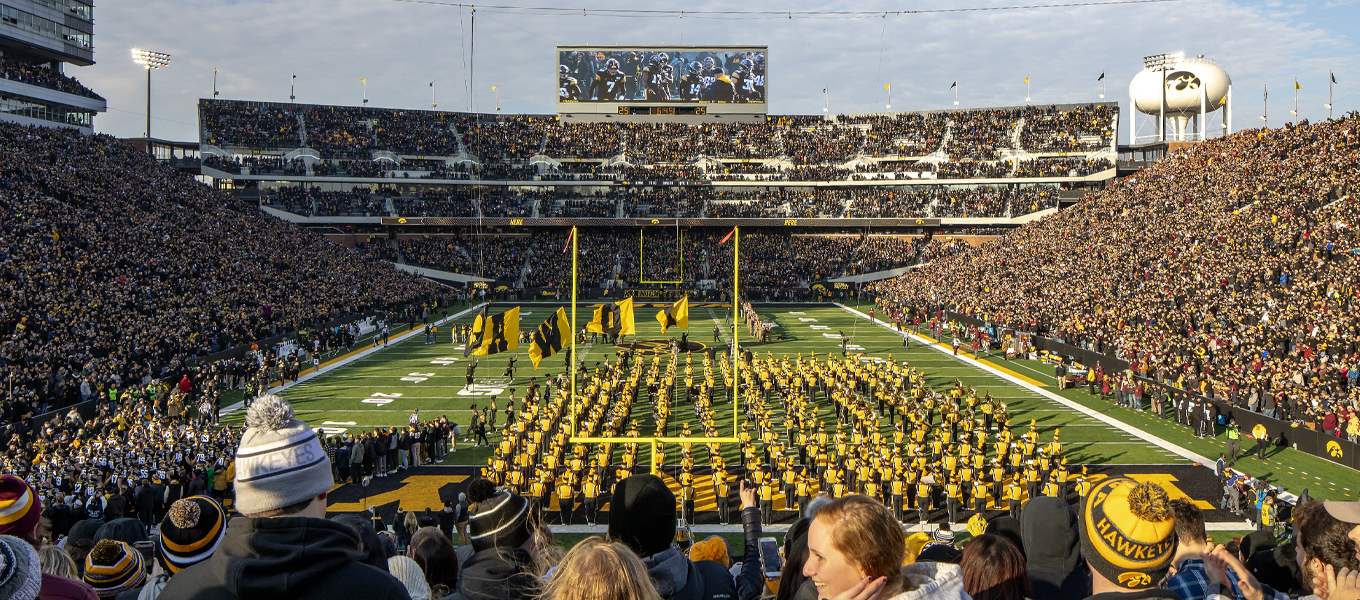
{"points": [[380, 388]]}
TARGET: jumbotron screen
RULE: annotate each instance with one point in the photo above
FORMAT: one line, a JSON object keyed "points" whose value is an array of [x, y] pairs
{"points": [[726, 75]]}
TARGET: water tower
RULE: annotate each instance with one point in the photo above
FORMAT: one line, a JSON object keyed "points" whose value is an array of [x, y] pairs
{"points": [[1180, 93]]}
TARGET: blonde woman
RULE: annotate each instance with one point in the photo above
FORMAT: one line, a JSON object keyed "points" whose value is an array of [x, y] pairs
{"points": [[55, 561], [599, 570]]}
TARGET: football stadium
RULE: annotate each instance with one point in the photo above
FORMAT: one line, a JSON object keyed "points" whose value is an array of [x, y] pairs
{"points": [[679, 332]]}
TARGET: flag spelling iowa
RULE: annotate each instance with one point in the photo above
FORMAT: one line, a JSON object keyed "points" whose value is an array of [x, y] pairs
{"points": [[493, 335], [675, 316], [548, 337], [614, 319]]}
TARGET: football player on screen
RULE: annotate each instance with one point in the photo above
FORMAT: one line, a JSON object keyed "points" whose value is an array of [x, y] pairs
{"points": [[608, 83], [710, 71], [744, 81], [692, 83], [567, 87], [659, 77], [759, 78]]}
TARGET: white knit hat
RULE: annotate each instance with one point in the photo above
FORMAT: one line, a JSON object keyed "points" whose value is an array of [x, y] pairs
{"points": [[409, 574], [280, 461], [20, 569]]}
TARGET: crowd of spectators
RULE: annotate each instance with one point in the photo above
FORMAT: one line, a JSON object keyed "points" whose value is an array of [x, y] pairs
{"points": [[1227, 269], [359, 201], [175, 268], [268, 165], [598, 252], [42, 75], [505, 203], [498, 257], [419, 132], [1061, 167], [445, 253], [437, 202], [973, 135], [254, 125], [601, 207], [977, 134], [339, 131], [1081, 129], [904, 134]]}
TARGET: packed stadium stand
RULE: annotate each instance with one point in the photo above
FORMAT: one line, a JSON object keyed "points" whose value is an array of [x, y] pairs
{"points": [[155, 268], [1229, 267], [443, 177]]}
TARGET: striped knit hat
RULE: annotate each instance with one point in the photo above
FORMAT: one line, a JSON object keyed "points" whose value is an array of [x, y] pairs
{"points": [[114, 567], [20, 507], [190, 532], [280, 461], [1126, 532], [20, 569], [502, 522]]}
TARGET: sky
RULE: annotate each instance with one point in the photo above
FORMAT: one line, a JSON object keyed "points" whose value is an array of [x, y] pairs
{"points": [[400, 46]]}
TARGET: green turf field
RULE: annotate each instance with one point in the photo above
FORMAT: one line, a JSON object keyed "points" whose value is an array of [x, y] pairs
{"points": [[382, 388]]}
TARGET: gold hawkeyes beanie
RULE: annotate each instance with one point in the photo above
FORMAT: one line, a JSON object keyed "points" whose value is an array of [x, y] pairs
{"points": [[1127, 532]]}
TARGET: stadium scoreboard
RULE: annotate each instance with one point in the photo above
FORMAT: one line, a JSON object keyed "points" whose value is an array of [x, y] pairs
{"points": [[661, 80]]}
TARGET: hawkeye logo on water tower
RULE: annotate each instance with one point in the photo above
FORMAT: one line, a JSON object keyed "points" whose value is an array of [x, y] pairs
{"points": [[1182, 80]]}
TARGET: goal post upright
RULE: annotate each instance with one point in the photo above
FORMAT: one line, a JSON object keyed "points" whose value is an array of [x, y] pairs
{"points": [[572, 373], [736, 277]]}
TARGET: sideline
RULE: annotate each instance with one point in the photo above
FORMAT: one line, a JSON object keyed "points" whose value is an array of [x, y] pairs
{"points": [[1030, 385], [341, 361]]}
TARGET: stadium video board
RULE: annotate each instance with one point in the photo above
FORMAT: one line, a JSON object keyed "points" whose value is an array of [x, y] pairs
{"points": [[661, 74]]}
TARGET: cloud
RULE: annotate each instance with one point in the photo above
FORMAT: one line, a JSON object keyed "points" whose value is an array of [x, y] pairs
{"points": [[400, 47]]}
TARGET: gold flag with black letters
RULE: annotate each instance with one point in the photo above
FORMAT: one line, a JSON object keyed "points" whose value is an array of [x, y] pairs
{"points": [[494, 334], [675, 316], [547, 339]]}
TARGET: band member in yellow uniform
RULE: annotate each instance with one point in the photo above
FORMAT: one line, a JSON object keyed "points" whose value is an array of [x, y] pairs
{"points": [[979, 497], [899, 486], [538, 491], [923, 501], [1083, 488], [954, 492], [766, 502], [687, 496], [722, 491], [1013, 494], [591, 490], [566, 498]]}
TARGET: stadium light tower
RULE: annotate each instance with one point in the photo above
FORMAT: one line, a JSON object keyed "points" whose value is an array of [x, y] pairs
{"points": [[1162, 62], [151, 61]]}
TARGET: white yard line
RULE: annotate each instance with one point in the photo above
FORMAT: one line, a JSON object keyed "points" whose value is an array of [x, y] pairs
{"points": [[327, 369], [1113, 422]]}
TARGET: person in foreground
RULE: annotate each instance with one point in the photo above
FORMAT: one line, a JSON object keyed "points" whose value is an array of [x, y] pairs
{"points": [[1128, 539], [855, 552], [643, 518], [596, 569], [283, 547]]}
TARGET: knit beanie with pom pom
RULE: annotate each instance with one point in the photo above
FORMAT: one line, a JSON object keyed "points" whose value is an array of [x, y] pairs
{"points": [[1126, 532], [280, 461]]}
